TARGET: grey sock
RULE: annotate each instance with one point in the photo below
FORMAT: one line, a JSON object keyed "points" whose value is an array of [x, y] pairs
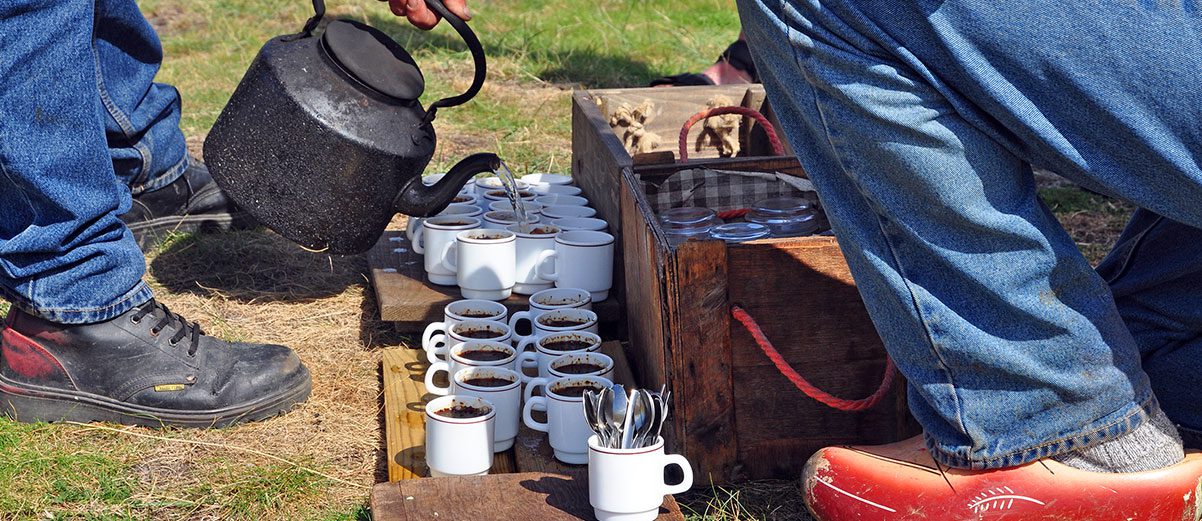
{"points": [[1154, 444]]}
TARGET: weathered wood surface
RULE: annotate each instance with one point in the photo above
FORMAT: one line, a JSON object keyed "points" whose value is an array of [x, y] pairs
{"points": [[644, 262], [531, 450], [406, 298], [597, 158], [700, 353], [527, 496], [405, 400]]}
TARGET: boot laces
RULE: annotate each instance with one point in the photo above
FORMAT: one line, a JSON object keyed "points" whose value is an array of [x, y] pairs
{"points": [[175, 321]]}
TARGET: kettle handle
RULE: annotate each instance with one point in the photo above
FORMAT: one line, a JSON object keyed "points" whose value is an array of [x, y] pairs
{"points": [[319, 11], [473, 45]]}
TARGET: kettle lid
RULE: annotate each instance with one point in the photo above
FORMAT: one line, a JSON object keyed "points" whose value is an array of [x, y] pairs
{"points": [[374, 59]]}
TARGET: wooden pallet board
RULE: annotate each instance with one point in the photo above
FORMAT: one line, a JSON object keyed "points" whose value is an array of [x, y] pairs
{"points": [[503, 497], [408, 299]]}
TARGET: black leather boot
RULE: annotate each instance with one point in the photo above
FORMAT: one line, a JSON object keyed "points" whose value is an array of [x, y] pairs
{"points": [[148, 367], [191, 203]]}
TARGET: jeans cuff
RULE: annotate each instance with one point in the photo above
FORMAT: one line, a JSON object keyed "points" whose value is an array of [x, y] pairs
{"points": [[167, 177], [1108, 428], [140, 294]]}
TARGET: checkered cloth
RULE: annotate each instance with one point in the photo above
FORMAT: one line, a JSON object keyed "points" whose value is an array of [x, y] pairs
{"points": [[723, 190]]}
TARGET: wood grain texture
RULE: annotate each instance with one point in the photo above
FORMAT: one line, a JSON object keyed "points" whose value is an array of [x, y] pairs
{"points": [[646, 305], [405, 420], [406, 298], [528, 496], [533, 453], [700, 349], [597, 158]]}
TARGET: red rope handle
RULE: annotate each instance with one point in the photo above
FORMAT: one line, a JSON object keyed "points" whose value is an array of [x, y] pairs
{"points": [[717, 111], [733, 214], [806, 387]]}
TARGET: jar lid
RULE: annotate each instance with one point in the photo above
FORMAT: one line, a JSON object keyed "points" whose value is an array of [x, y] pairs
{"points": [[737, 232], [688, 220], [782, 206]]}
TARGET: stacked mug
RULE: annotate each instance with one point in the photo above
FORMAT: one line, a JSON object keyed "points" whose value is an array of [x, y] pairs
{"points": [[479, 245]]}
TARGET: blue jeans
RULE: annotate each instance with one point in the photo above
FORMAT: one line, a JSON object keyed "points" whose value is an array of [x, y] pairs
{"points": [[918, 122], [82, 123]]}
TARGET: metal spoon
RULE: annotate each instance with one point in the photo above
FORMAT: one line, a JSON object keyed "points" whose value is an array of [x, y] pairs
{"points": [[633, 408], [616, 414], [644, 428], [590, 415], [662, 404]]}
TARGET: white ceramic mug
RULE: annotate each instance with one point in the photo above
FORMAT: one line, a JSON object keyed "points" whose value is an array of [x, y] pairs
{"points": [[628, 484], [582, 259], [550, 299], [566, 428], [468, 331], [492, 196], [604, 363], [460, 210], [559, 321], [506, 399], [459, 446], [591, 224], [561, 200], [563, 211], [550, 347], [460, 310], [530, 245], [483, 262], [540, 179], [542, 189], [485, 184], [501, 220], [433, 237], [531, 208], [458, 360]]}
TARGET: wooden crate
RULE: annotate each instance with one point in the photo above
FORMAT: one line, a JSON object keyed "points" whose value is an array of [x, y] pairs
{"points": [[735, 416]]}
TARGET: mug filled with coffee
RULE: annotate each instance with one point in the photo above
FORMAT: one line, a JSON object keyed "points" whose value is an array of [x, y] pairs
{"points": [[459, 311], [459, 435], [465, 331], [550, 347], [559, 321], [566, 428], [503, 389], [476, 353], [552, 299]]}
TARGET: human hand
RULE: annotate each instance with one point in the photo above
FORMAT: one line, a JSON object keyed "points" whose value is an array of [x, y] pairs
{"points": [[421, 16]]}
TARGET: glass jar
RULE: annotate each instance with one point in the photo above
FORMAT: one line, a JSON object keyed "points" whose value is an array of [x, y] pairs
{"points": [[739, 232], [688, 222], [785, 216]]}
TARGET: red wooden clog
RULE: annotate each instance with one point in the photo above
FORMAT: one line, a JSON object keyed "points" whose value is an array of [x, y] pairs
{"points": [[901, 481]]}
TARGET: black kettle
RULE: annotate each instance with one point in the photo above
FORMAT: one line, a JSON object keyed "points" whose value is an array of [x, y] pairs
{"points": [[324, 139]]}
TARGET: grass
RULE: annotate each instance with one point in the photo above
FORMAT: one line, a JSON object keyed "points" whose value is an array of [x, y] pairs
{"points": [[252, 285]]}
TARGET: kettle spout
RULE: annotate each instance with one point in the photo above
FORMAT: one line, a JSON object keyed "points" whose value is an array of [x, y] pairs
{"points": [[419, 200]]}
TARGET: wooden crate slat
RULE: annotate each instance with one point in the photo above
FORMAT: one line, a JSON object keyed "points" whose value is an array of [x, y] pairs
{"points": [[527, 496], [405, 420], [406, 298]]}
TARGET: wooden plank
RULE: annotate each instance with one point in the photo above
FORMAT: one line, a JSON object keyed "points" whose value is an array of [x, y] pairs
{"points": [[597, 158], [782, 164], [701, 358], [405, 297], [527, 496], [404, 417], [644, 259], [533, 453]]}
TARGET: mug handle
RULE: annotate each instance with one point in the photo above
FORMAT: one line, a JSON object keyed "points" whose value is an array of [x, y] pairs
{"points": [[524, 341], [513, 321], [447, 263], [429, 334], [418, 235], [680, 461], [528, 359], [434, 368], [530, 385], [436, 349], [542, 426], [414, 224], [543, 257]]}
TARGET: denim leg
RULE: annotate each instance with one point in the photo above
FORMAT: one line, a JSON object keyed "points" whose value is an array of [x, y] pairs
{"points": [[141, 117], [64, 254], [917, 129], [1155, 273]]}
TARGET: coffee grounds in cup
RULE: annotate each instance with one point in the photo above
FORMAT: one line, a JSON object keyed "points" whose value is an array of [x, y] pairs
{"points": [[577, 390], [579, 368], [561, 322], [554, 302], [488, 382], [567, 345], [477, 314], [454, 223], [461, 199], [479, 334], [484, 355], [462, 411], [543, 231]]}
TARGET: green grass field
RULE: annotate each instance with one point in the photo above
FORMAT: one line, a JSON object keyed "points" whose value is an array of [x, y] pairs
{"points": [[318, 462]]}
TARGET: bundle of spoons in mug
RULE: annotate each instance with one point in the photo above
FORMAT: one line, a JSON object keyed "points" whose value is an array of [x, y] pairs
{"points": [[626, 421]]}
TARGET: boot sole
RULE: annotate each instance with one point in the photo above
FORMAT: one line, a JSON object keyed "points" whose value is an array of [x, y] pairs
{"points": [[150, 233], [29, 404]]}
